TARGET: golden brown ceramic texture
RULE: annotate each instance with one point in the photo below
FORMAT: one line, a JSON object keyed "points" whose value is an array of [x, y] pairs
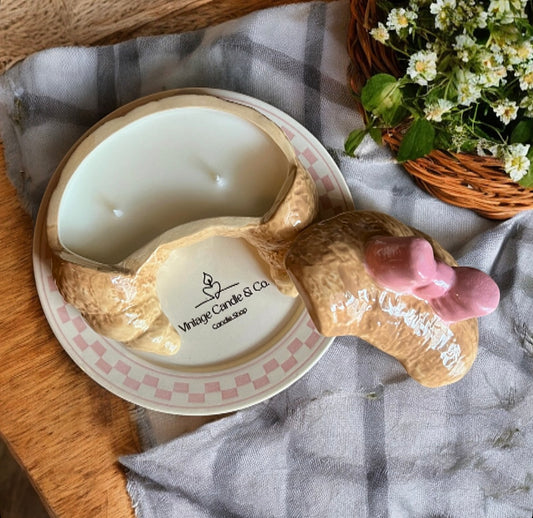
{"points": [[121, 302], [326, 263]]}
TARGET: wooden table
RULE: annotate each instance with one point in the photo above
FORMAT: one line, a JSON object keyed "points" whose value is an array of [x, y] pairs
{"points": [[66, 431]]}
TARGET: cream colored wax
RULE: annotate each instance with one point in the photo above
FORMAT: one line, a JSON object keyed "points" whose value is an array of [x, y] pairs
{"points": [[163, 170]]}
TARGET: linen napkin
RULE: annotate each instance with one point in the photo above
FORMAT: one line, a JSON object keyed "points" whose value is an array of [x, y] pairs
{"points": [[355, 437]]}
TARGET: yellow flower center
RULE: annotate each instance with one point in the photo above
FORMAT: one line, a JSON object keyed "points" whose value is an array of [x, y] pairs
{"points": [[523, 51], [508, 112], [517, 162]]}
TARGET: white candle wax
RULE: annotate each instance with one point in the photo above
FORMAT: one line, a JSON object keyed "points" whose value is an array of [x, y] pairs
{"points": [[165, 169]]}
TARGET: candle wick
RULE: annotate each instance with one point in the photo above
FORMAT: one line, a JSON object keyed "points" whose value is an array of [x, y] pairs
{"points": [[220, 180], [108, 204]]}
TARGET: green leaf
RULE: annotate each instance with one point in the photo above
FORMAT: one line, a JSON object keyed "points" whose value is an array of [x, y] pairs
{"points": [[382, 96], [527, 180], [375, 133], [443, 140], [394, 117], [418, 141], [354, 139], [374, 90], [523, 132]]}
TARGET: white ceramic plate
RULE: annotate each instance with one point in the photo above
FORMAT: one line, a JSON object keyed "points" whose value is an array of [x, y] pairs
{"points": [[261, 341]]}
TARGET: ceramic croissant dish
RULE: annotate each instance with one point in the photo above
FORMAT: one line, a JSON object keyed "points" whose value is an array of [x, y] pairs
{"points": [[359, 273]]}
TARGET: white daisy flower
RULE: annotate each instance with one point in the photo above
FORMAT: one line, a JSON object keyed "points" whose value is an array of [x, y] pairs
{"points": [[518, 53], [400, 19], [525, 77], [481, 17], [505, 110], [442, 10], [440, 5], [490, 59], [422, 67], [468, 88], [380, 33], [527, 104], [524, 50], [465, 46], [493, 77], [492, 69], [501, 10], [435, 110], [463, 41], [515, 161]]}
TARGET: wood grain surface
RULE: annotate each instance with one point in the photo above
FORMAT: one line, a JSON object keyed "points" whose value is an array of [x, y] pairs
{"points": [[65, 430], [29, 26]]}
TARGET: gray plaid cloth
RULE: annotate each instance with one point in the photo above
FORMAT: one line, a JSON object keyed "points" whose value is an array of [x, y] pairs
{"points": [[355, 437]]}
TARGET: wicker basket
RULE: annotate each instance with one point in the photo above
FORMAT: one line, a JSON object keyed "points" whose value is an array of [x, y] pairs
{"points": [[462, 179]]}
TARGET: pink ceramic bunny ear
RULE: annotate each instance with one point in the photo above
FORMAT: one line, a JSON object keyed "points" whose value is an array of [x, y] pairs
{"points": [[407, 265], [400, 263], [473, 294]]}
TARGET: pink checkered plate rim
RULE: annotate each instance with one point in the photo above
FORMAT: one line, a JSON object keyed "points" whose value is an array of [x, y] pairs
{"points": [[171, 388]]}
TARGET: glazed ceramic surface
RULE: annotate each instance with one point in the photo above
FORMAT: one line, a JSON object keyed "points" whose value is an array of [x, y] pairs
{"points": [[255, 341], [327, 263], [160, 175], [407, 265]]}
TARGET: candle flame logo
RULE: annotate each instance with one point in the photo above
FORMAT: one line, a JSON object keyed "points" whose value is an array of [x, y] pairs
{"points": [[212, 288]]}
